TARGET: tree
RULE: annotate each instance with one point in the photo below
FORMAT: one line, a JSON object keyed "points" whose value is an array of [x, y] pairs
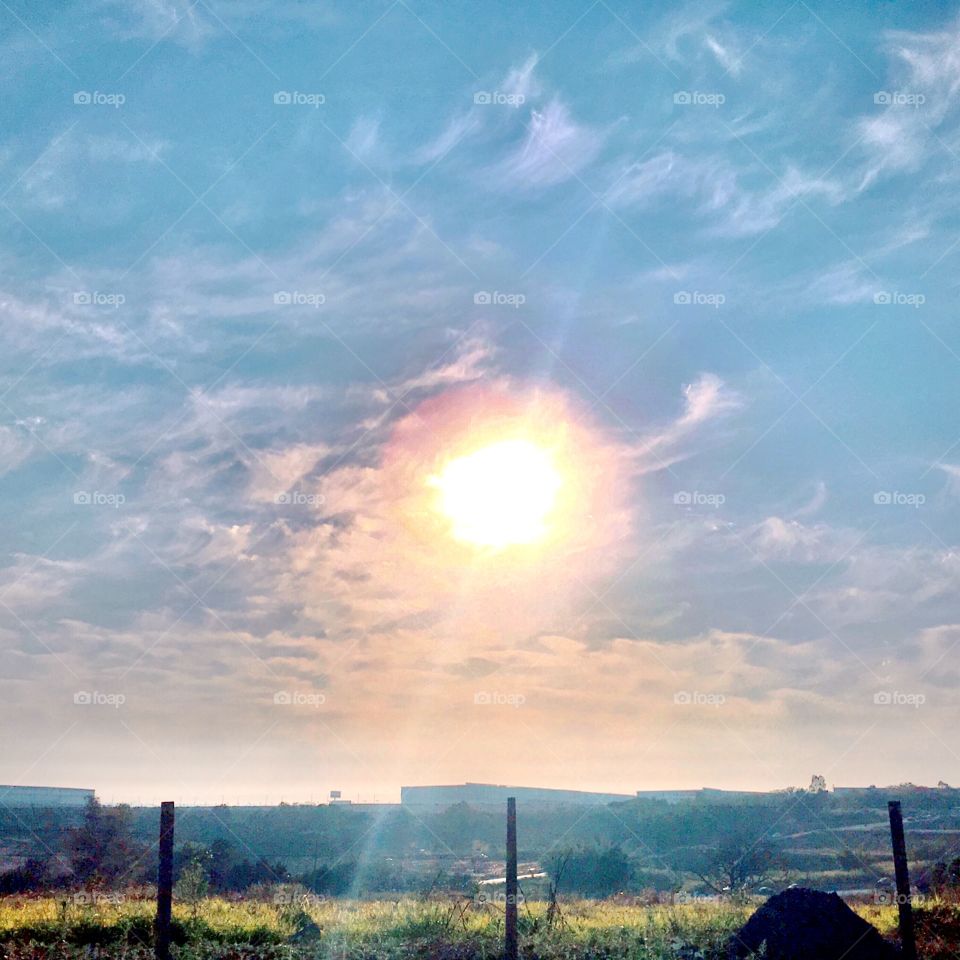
{"points": [[818, 783], [32, 875], [739, 863], [595, 871], [190, 854], [102, 850], [556, 869], [945, 875], [192, 886], [222, 858], [334, 880], [244, 874]]}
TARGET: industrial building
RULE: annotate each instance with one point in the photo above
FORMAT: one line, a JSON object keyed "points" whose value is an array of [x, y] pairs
{"points": [[669, 796], [704, 793], [490, 794], [15, 796]]}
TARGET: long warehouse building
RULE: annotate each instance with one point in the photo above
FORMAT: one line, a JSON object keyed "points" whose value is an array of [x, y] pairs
{"points": [[15, 796], [479, 794]]}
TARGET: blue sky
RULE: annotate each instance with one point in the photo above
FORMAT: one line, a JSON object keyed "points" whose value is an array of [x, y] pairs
{"points": [[244, 242]]}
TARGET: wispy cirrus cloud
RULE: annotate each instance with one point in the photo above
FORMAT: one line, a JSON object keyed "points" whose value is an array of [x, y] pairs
{"points": [[904, 131], [717, 192], [301, 322], [555, 148]]}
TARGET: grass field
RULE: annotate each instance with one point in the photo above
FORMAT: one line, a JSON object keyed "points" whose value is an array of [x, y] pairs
{"points": [[41, 928]]}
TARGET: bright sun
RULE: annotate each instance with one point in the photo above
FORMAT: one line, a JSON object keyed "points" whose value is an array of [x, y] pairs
{"points": [[501, 495]]}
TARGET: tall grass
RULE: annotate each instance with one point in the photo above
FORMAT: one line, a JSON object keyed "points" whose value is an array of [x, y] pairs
{"points": [[458, 929]]}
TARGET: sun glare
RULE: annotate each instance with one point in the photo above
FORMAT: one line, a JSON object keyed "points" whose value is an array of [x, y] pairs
{"points": [[501, 495]]}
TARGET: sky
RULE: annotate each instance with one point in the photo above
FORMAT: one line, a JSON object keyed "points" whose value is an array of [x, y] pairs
{"points": [[266, 268]]}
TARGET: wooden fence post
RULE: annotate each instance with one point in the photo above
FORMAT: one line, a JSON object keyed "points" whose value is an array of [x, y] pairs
{"points": [[902, 873], [510, 929], [164, 883]]}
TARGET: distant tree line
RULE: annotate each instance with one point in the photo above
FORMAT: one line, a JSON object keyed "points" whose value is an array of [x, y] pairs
{"points": [[708, 845], [102, 853]]}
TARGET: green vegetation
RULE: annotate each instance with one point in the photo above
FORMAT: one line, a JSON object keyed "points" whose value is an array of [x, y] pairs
{"points": [[301, 883], [808, 837], [382, 929], [287, 923]]}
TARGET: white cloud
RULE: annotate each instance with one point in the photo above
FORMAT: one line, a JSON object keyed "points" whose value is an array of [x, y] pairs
{"points": [[815, 504], [191, 25], [275, 472], [777, 538], [15, 447], [364, 138], [952, 471], [458, 129], [706, 399], [718, 191], [521, 81], [845, 284], [555, 149], [667, 39], [57, 176], [179, 21], [643, 181], [900, 137], [752, 212], [896, 141], [728, 58]]}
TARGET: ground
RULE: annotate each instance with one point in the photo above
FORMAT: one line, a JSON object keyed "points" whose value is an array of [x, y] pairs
{"points": [[444, 927]]}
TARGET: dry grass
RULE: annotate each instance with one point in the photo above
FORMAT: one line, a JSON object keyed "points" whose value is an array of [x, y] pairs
{"points": [[47, 927]]}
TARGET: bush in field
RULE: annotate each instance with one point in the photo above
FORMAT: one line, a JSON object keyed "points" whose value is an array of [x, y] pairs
{"points": [[192, 885], [595, 871], [191, 854], [222, 858], [245, 874], [941, 878], [101, 848], [334, 880], [32, 875]]}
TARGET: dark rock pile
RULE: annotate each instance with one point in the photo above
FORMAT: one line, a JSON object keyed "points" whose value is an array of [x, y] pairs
{"points": [[801, 924]]}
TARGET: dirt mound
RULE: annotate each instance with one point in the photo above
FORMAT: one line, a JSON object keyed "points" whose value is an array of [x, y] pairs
{"points": [[801, 924]]}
